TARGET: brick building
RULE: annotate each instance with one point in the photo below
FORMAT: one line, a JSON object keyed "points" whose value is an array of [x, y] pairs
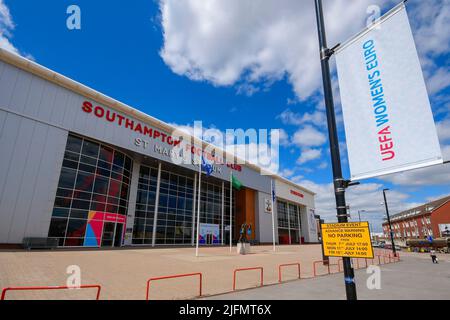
{"points": [[430, 219]]}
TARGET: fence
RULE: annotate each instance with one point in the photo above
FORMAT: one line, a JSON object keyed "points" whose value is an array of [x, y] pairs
{"points": [[5, 290], [173, 277], [246, 269], [288, 265]]}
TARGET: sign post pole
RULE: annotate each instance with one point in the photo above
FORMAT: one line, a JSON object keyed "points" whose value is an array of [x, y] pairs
{"points": [[339, 183]]}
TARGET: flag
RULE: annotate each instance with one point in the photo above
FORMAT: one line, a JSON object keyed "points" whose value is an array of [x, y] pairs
{"points": [[273, 191], [207, 167], [236, 183]]}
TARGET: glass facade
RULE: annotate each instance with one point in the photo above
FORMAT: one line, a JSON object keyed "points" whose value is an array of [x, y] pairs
{"points": [[91, 203], [174, 220], [175, 207], [289, 223], [211, 211], [174, 224], [92, 197]]}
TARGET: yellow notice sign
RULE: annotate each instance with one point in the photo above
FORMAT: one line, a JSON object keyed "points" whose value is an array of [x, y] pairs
{"points": [[350, 240]]}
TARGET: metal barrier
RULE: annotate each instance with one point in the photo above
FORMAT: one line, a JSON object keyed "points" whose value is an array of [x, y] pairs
{"points": [[245, 269], [334, 264], [287, 265], [339, 266], [314, 267], [173, 277], [5, 290], [379, 260]]}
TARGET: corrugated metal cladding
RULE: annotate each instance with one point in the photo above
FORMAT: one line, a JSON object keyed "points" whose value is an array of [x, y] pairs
{"points": [[31, 154], [30, 161]]}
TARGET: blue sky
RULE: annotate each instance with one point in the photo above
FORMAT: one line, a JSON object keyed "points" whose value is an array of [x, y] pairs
{"points": [[233, 64]]}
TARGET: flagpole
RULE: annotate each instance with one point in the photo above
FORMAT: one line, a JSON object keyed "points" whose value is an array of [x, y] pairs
{"points": [[198, 204], [231, 209], [272, 196]]}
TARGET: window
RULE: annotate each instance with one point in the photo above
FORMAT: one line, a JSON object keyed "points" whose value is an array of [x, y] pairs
{"points": [[289, 223], [175, 206], [87, 184]]}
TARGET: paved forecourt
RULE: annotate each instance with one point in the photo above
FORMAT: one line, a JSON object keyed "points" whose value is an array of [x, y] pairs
{"points": [[123, 273], [414, 277]]}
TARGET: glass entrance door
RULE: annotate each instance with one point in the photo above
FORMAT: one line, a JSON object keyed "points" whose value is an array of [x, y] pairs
{"points": [[108, 234], [209, 239], [118, 235]]}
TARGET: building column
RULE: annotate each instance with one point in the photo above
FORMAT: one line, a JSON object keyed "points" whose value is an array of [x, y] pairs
{"points": [[223, 213], [275, 219], [194, 209], [289, 222], [132, 203], [155, 217]]}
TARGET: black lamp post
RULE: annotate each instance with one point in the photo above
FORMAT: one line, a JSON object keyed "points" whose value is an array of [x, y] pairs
{"points": [[338, 180], [389, 222], [359, 214]]}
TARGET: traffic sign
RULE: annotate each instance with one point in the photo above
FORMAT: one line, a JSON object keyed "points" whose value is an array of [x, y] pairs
{"points": [[351, 240]]}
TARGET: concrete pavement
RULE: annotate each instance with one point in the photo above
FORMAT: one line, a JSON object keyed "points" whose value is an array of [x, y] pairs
{"points": [[415, 277]]}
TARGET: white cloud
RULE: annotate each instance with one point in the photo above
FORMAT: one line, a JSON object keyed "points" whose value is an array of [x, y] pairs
{"points": [[431, 20], [245, 41], [287, 173], [259, 154], [284, 138], [309, 155], [317, 118], [308, 136], [443, 129], [297, 179], [6, 27], [247, 89], [438, 79], [323, 165], [289, 117], [368, 197], [6, 20]]}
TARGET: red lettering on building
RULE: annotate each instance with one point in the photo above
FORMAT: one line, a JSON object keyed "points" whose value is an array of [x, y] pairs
{"points": [[87, 107], [148, 131], [109, 117], [138, 128], [298, 194], [121, 118], [99, 112], [128, 123]]}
